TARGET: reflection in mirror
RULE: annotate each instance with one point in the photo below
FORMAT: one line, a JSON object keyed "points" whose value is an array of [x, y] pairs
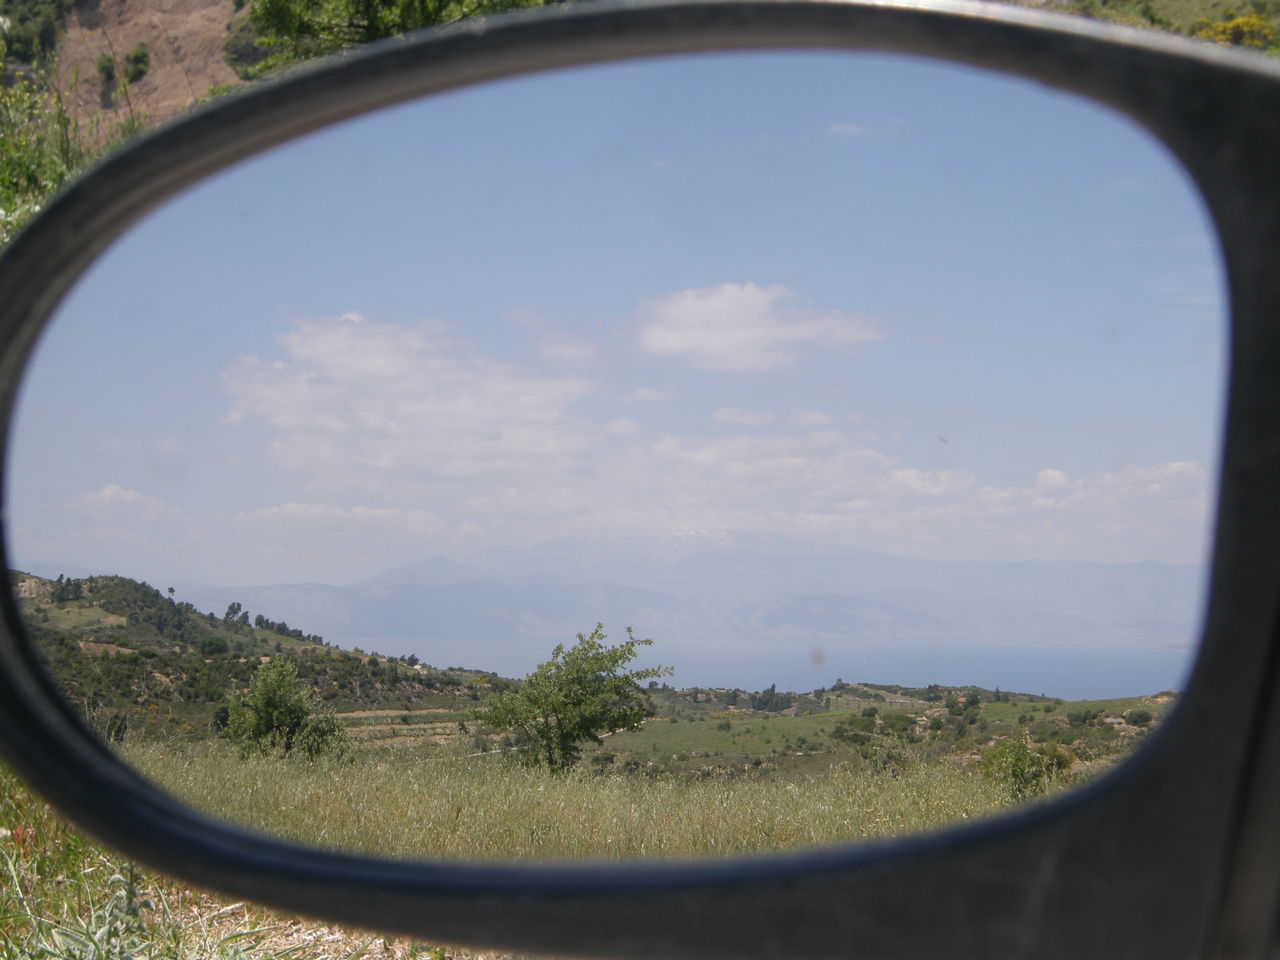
{"points": [[881, 394]]}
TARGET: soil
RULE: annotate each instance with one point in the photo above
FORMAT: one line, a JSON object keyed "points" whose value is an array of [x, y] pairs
{"points": [[284, 936], [184, 39]]}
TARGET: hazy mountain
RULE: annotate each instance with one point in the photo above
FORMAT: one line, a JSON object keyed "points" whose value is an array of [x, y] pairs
{"points": [[743, 589]]}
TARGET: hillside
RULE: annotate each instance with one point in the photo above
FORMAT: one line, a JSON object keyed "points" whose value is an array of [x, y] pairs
{"points": [[184, 40], [136, 662], [142, 666]]}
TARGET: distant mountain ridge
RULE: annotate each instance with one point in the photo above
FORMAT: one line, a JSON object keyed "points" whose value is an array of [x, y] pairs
{"points": [[747, 588]]}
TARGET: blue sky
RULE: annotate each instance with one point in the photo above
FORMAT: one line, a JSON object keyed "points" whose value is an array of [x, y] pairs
{"points": [[846, 298]]}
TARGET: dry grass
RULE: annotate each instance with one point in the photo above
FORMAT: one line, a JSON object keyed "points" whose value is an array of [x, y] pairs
{"points": [[481, 808]]}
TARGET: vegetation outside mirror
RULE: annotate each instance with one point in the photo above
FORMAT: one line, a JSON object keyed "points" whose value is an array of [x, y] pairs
{"points": [[881, 394]]}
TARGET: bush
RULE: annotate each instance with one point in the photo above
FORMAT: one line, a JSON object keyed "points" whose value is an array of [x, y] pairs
{"points": [[1251, 30], [1081, 718], [1139, 718], [854, 730], [1025, 772], [898, 722], [107, 69], [278, 715], [321, 734]]}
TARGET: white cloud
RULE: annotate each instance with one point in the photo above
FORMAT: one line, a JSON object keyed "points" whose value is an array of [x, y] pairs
{"points": [[1049, 479], [883, 126], [403, 441], [113, 496], [811, 418], [524, 317], [748, 418], [622, 427], [111, 528], [844, 130], [302, 525], [652, 394], [744, 327], [1157, 511], [353, 403], [565, 349]]}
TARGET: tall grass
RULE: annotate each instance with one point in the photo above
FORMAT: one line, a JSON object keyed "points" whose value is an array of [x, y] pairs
{"points": [[63, 897], [482, 808]]}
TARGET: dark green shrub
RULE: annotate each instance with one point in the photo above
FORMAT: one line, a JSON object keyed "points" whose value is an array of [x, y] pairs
{"points": [[1139, 718], [278, 715], [1023, 771], [107, 69], [213, 646], [1080, 718], [898, 722], [885, 755], [46, 35]]}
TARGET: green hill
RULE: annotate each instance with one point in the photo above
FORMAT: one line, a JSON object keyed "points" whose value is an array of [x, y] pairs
{"points": [[136, 662], [141, 666]]}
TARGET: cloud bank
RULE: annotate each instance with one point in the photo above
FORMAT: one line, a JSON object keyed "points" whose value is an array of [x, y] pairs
{"points": [[387, 442]]}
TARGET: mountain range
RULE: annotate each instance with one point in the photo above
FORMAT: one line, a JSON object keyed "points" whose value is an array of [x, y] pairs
{"points": [[722, 598]]}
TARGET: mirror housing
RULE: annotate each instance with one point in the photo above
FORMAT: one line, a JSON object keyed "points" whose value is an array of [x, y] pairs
{"points": [[1174, 854]]}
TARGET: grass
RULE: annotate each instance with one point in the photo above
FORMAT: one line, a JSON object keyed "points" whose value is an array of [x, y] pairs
{"points": [[415, 805], [63, 897]]}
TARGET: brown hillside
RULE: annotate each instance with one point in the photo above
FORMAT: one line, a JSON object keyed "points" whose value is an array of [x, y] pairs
{"points": [[184, 38]]}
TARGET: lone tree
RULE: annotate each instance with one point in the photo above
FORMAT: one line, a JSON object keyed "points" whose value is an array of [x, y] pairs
{"points": [[277, 715], [575, 696]]}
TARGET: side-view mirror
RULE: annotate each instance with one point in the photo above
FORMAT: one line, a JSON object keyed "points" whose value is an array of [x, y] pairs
{"points": [[1172, 854]]}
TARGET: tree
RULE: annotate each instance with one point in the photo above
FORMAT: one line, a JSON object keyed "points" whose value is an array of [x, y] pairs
{"points": [[581, 692], [298, 29], [277, 714]]}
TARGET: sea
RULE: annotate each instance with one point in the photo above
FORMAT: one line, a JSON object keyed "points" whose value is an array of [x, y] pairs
{"points": [[1080, 673]]}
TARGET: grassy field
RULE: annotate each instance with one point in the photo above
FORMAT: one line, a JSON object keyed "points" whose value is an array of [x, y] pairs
{"points": [[61, 895], [718, 783], [485, 808]]}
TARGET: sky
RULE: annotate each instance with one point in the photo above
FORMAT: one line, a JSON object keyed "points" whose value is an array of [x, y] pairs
{"points": [[846, 298]]}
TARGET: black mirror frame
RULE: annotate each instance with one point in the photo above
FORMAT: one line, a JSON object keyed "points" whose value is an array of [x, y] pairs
{"points": [[1177, 854]]}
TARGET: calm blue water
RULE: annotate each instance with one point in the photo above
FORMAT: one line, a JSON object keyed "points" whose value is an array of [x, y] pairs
{"points": [[1071, 674]]}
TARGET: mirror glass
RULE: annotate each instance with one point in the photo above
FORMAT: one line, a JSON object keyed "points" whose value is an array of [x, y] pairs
{"points": [[882, 394]]}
